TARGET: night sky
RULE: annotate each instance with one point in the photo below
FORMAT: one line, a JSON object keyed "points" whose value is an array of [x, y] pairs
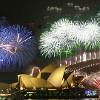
{"points": [[38, 13]]}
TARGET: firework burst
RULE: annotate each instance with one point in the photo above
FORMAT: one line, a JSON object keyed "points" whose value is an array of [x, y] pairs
{"points": [[59, 38], [17, 47], [92, 80], [88, 33], [65, 34]]}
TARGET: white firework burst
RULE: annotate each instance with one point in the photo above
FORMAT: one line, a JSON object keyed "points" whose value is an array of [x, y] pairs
{"points": [[88, 33], [48, 44], [64, 34], [57, 39]]}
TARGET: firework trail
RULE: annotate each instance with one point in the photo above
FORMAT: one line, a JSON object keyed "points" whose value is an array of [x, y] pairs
{"points": [[96, 83], [92, 80]]}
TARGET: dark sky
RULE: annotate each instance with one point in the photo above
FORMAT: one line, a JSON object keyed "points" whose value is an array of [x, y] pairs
{"points": [[42, 11], [36, 10]]}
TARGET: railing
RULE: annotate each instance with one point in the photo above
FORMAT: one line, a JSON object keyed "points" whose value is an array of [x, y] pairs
{"points": [[83, 65]]}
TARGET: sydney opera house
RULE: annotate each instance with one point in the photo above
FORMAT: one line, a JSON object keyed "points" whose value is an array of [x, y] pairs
{"points": [[83, 74], [50, 49]]}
